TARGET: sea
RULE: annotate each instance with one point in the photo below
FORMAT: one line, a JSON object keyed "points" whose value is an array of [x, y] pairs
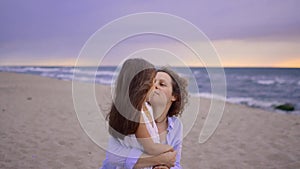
{"points": [[263, 88]]}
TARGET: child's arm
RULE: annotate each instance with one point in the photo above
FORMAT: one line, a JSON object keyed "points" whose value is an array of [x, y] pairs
{"points": [[145, 139]]}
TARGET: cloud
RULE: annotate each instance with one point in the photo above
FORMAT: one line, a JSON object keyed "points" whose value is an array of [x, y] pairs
{"points": [[263, 53], [60, 28]]}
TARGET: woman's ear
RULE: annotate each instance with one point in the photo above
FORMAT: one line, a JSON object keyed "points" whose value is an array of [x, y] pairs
{"points": [[173, 98]]}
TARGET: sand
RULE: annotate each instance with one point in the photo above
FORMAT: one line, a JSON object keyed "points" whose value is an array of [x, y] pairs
{"points": [[39, 129]]}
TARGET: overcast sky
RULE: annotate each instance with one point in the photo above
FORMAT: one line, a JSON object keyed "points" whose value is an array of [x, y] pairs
{"points": [[245, 33]]}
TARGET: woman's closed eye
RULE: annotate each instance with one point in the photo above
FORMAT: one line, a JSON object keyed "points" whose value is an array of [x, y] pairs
{"points": [[162, 84]]}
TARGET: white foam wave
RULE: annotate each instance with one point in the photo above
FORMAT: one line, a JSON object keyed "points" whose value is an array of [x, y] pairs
{"points": [[252, 102], [65, 76], [44, 71], [90, 79], [266, 82], [92, 73], [208, 95], [197, 72], [13, 69], [239, 100], [67, 70], [41, 69], [280, 80], [83, 79], [241, 77], [45, 74], [104, 81], [27, 69]]}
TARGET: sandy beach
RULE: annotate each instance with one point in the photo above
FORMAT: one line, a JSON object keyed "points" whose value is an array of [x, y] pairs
{"points": [[39, 129]]}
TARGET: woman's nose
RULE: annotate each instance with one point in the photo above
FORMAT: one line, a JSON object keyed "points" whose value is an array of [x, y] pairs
{"points": [[155, 86]]}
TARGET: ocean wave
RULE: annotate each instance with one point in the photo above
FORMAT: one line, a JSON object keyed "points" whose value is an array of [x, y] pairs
{"points": [[90, 79], [280, 80], [65, 76], [252, 102], [68, 70], [46, 74], [62, 70], [83, 79], [244, 77], [239, 100], [92, 73], [208, 95], [248, 101], [29, 69], [104, 81], [41, 69], [13, 69], [242, 84], [265, 82], [197, 72]]}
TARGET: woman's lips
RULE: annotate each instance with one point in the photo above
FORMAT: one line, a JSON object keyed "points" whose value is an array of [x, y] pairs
{"points": [[156, 92]]}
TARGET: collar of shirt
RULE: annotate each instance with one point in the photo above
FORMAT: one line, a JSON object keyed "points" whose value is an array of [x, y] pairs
{"points": [[170, 124]]}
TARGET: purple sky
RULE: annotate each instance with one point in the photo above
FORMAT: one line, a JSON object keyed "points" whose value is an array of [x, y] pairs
{"points": [[34, 31]]}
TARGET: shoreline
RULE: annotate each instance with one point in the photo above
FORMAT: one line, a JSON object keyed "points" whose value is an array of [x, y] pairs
{"points": [[40, 129], [258, 104]]}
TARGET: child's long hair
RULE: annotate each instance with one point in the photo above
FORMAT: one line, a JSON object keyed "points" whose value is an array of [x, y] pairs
{"points": [[134, 81]]}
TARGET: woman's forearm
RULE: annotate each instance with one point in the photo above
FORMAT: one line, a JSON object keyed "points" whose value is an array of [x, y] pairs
{"points": [[155, 148], [147, 161], [149, 146], [167, 159]]}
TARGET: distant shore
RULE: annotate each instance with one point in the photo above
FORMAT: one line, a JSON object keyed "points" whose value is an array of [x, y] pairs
{"points": [[39, 129]]}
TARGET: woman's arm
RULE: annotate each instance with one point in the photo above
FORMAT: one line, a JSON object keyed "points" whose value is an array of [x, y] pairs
{"points": [[168, 159], [120, 155], [175, 137], [145, 139], [128, 158]]}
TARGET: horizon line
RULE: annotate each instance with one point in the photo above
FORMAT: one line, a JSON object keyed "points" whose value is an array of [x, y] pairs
{"points": [[158, 66]]}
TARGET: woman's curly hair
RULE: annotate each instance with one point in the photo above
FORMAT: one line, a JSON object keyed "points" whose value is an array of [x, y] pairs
{"points": [[179, 87]]}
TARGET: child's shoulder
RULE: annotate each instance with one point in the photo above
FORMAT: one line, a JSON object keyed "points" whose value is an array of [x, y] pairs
{"points": [[175, 121]]}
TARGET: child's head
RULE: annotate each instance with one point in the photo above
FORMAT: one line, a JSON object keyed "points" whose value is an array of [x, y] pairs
{"points": [[178, 89], [134, 81]]}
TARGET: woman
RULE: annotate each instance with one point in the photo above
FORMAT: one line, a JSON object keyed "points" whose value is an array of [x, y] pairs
{"points": [[171, 88]]}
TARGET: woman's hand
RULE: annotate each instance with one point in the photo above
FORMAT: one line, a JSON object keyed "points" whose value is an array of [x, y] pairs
{"points": [[161, 167], [168, 159]]}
